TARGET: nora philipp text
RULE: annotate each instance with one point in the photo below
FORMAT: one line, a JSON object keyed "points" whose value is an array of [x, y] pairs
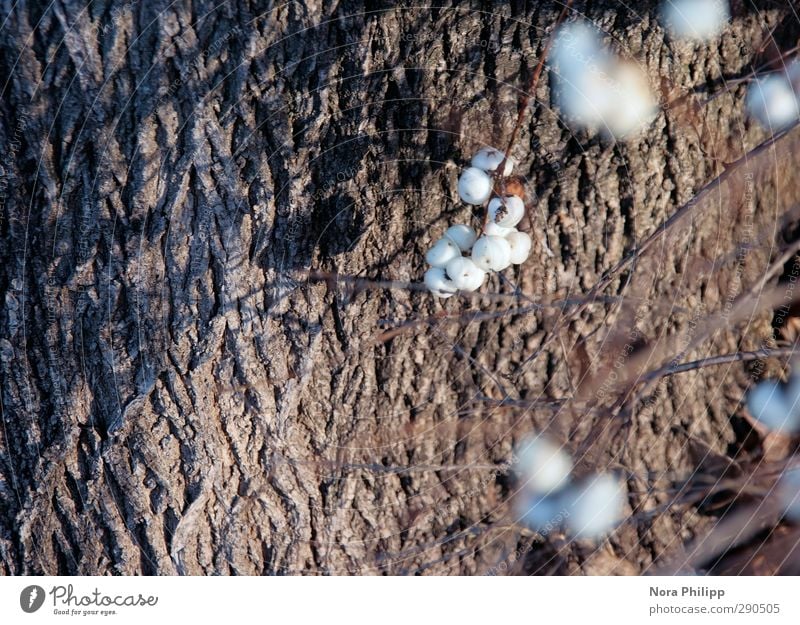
{"points": [[687, 591]]}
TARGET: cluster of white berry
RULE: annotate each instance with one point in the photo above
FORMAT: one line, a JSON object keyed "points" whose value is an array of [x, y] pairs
{"points": [[590, 508], [500, 244], [776, 405]]}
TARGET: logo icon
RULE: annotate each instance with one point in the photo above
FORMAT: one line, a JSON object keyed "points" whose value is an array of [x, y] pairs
{"points": [[31, 598]]}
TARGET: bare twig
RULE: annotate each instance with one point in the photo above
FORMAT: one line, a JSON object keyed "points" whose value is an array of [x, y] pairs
{"points": [[534, 82], [719, 360], [461, 316]]}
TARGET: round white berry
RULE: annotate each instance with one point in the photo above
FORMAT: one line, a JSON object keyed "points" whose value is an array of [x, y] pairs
{"points": [[507, 211], [634, 105], [461, 235], [578, 61], [492, 229], [491, 253], [474, 186], [541, 514], [695, 19], [520, 243], [773, 406], [437, 282], [772, 101], [465, 274], [542, 466], [442, 253], [595, 506], [489, 159], [594, 89]]}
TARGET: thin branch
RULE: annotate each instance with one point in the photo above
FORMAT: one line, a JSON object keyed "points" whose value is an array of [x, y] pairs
{"points": [[719, 360], [465, 316], [526, 96], [731, 84]]}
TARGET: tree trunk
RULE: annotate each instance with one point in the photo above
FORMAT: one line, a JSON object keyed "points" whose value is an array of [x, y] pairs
{"points": [[179, 396]]}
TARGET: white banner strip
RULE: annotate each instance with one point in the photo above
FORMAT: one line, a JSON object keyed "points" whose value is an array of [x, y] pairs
{"points": [[322, 600]]}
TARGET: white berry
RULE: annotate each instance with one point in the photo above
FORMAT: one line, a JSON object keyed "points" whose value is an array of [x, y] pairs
{"points": [[492, 229], [520, 243], [772, 101], [442, 253], [489, 159], [634, 105], [775, 407], [695, 19], [542, 466], [491, 253], [541, 514], [474, 186], [595, 89], [595, 506], [463, 236], [465, 274], [506, 212], [437, 282]]}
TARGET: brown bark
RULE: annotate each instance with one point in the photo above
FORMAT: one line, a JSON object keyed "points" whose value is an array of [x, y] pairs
{"points": [[178, 397]]}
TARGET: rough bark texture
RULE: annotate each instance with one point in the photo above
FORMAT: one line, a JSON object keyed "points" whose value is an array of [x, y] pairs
{"points": [[177, 398]]}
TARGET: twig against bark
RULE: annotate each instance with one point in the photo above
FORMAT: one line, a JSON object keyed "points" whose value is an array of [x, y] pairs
{"points": [[534, 82], [720, 360], [464, 316]]}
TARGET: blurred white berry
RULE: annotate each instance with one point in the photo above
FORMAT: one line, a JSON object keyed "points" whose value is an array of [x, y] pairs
{"points": [[775, 407], [463, 236], [506, 212], [577, 60], [595, 506], [491, 253], [594, 89], [695, 19], [465, 274], [789, 493], [575, 46], [492, 229], [520, 243], [541, 514], [444, 250], [437, 282], [489, 159], [772, 101], [542, 466], [634, 105], [474, 186]]}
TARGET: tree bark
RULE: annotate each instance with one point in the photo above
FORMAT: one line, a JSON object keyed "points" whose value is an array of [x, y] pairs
{"points": [[180, 397]]}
